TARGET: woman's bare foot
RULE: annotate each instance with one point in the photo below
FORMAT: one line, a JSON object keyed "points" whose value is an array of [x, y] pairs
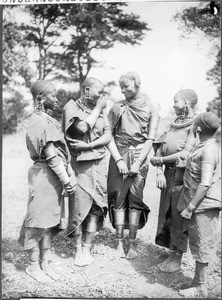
{"points": [[195, 291], [173, 264], [171, 267], [132, 251], [164, 262], [48, 270], [168, 260], [88, 259], [119, 252], [187, 285], [35, 272], [78, 259]]}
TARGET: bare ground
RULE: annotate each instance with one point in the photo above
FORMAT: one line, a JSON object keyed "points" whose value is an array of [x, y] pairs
{"points": [[106, 277]]}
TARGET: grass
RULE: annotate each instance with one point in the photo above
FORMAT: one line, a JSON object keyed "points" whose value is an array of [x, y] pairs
{"points": [[107, 277]]}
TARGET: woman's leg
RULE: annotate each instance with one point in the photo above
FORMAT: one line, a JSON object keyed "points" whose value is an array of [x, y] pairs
{"points": [[34, 269], [198, 286], [91, 227], [119, 222], [134, 217], [202, 237], [44, 246], [77, 240], [178, 240], [173, 262]]}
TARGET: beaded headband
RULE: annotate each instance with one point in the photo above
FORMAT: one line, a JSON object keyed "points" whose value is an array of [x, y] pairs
{"points": [[205, 123]]}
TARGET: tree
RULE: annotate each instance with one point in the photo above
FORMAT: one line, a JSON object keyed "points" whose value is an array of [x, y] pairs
{"points": [[89, 26], [15, 51], [44, 30], [16, 73], [60, 39], [98, 26], [214, 74], [205, 19]]}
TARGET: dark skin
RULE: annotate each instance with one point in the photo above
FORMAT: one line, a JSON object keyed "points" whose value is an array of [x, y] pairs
{"points": [[210, 155], [179, 107], [131, 93], [96, 100]]}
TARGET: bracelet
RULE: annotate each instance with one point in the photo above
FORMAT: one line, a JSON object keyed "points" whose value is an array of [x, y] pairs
{"points": [[192, 206], [91, 146], [116, 161], [138, 160], [159, 173], [66, 184]]}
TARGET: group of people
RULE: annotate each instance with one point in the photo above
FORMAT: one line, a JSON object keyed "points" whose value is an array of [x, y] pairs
{"points": [[71, 159]]}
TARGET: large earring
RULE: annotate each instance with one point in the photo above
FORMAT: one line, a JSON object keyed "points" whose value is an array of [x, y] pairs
{"points": [[87, 93], [199, 130], [186, 109], [40, 100]]}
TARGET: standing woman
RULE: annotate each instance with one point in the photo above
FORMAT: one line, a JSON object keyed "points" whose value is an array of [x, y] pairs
{"points": [[177, 141], [134, 123], [200, 201], [87, 131], [49, 175]]}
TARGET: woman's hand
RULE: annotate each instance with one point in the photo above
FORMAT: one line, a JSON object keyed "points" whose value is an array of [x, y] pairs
{"points": [[188, 211], [161, 182], [181, 161], [79, 145], [134, 168], [155, 160], [70, 188], [122, 167], [101, 103]]}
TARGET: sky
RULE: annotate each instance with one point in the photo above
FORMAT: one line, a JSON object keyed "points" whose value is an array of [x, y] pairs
{"points": [[164, 61]]}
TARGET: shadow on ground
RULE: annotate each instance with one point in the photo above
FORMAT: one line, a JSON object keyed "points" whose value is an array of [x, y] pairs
{"points": [[105, 278]]}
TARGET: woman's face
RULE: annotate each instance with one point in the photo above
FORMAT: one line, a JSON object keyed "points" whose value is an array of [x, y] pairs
{"points": [[179, 104], [51, 101], [128, 88], [95, 91]]}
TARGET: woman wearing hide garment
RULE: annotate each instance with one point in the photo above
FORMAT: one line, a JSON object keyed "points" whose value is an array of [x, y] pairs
{"points": [[177, 141], [87, 131], [200, 202], [50, 174], [134, 122]]}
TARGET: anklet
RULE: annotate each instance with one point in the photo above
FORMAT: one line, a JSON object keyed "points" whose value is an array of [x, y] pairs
{"points": [[87, 245], [33, 262], [132, 240]]}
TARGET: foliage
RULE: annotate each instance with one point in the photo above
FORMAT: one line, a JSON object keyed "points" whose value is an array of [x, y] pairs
{"points": [[203, 17], [65, 35], [206, 19], [12, 111], [59, 39], [214, 75], [16, 73], [15, 61], [45, 27], [98, 26], [63, 97]]}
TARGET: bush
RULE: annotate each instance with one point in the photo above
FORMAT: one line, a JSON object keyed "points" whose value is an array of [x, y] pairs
{"points": [[12, 110], [63, 97]]}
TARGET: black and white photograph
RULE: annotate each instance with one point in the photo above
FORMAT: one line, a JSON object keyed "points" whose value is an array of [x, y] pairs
{"points": [[111, 149]]}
